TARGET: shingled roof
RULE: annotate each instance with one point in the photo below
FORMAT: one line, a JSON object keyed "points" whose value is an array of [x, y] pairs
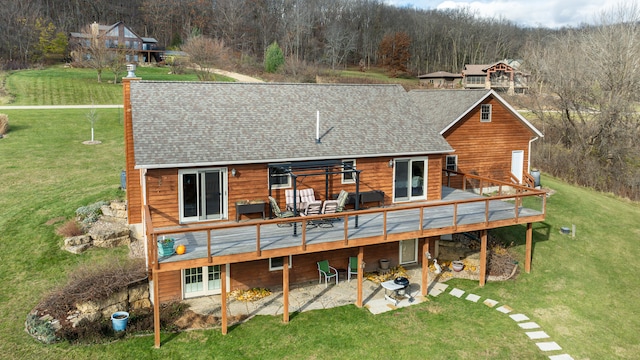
{"points": [[178, 124], [444, 108]]}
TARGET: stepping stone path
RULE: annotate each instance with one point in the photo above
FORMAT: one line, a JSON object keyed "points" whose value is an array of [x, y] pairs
{"points": [[523, 321]]}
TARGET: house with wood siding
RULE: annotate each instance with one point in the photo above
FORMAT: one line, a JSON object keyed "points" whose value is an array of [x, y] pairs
{"points": [[197, 153], [490, 137]]}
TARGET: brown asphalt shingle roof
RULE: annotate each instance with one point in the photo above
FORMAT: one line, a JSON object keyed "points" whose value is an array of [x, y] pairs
{"points": [[204, 123]]}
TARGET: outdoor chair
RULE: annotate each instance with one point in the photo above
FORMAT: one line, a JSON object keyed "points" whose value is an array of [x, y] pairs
{"points": [[307, 196], [289, 196], [278, 213], [353, 267], [326, 271], [342, 200], [330, 207]]}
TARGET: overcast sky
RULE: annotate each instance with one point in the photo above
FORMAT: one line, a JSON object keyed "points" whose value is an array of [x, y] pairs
{"points": [[534, 13]]}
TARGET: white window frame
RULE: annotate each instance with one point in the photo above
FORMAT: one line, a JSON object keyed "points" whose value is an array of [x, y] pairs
{"points": [[485, 113], [352, 180], [280, 267], [225, 194], [278, 186], [455, 163]]}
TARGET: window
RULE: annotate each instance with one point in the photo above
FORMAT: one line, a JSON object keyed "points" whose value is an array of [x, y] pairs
{"points": [[202, 194], [277, 263], [452, 163], [348, 177], [194, 284], [279, 177], [485, 113]]}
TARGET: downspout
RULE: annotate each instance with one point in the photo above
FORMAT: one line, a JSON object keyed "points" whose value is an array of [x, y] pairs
{"points": [[143, 190], [529, 154]]}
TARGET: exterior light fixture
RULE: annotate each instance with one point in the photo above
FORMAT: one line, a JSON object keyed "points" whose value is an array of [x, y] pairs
{"points": [[233, 172], [390, 163]]}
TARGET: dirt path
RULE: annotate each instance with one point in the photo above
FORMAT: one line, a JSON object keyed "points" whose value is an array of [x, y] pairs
{"points": [[239, 77]]}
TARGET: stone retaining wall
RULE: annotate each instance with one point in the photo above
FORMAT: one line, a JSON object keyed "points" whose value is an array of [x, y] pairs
{"points": [[136, 296]]}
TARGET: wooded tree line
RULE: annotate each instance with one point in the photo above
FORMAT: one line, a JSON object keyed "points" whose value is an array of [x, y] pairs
{"points": [[585, 84], [586, 97], [331, 32]]}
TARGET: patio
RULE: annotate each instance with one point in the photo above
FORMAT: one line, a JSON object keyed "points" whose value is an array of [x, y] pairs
{"points": [[313, 296]]}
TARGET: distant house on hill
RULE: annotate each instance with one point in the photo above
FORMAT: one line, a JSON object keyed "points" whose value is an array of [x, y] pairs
{"points": [[440, 79], [118, 36], [500, 76]]}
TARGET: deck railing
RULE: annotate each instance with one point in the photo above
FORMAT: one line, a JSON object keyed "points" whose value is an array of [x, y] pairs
{"points": [[489, 190]]}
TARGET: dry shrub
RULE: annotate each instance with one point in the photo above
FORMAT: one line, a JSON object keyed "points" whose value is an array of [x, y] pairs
{"points": [[4, 124], [69, 229], [92, 282]]}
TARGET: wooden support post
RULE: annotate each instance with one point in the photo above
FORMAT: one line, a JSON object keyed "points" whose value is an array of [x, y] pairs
{"points": [[223, 297], [360, 276], [425, 267], [285, 289], [529, 243], [156, 310], [483, 257]]}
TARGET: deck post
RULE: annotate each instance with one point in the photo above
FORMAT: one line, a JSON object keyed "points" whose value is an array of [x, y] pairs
{"points": [[529, 243], [156, 310], [425, 267], [285, 289], [483, 257], [360, 275], [223, 297]]}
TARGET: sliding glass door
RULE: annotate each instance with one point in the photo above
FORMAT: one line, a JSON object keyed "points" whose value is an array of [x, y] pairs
{"points": [[410, 179], [203, 194]]}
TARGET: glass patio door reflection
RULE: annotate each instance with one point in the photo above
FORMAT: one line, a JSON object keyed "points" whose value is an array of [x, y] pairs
{"points": [[203, 195], [409, 179]]}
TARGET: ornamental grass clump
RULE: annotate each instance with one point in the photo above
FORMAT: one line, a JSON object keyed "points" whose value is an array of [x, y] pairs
{"points": [[89, 214]]}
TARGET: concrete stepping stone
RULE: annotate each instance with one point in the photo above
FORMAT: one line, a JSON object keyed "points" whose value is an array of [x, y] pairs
{"points": [[535, 335], [438, 289], [529, 325], [457, 292], [519, 317], [505, 309], [561, 357], [548, 346], [473, 297], [490, 303]]}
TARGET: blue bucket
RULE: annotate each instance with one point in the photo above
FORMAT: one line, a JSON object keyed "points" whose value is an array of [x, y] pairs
{"points": [[119, 320]]}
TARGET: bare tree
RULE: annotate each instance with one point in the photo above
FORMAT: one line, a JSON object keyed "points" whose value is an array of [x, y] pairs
{"points": [[590, 81], [206, 53]]}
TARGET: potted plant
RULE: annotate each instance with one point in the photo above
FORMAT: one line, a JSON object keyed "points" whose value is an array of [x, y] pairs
{"points": [[165, 246]]}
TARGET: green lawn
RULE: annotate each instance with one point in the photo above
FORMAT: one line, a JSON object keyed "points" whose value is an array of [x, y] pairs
{"points": [[581, 291], [69, 86]]}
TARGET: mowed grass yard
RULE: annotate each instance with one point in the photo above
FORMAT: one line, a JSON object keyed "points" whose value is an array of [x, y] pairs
{"points": [[582, 291]]}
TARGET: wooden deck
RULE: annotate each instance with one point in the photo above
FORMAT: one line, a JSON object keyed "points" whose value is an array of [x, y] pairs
{"points": [[458, 211]]}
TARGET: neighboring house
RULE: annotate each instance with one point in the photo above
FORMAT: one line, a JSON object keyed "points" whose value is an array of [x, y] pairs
{"points": [[441, 79], [501, 76], [118, 35], [490, 138], [197, 153]]}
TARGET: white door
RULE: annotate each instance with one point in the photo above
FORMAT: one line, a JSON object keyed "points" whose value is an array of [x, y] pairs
{"points": [[517, 164], [202, 281], [408, 251]]}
